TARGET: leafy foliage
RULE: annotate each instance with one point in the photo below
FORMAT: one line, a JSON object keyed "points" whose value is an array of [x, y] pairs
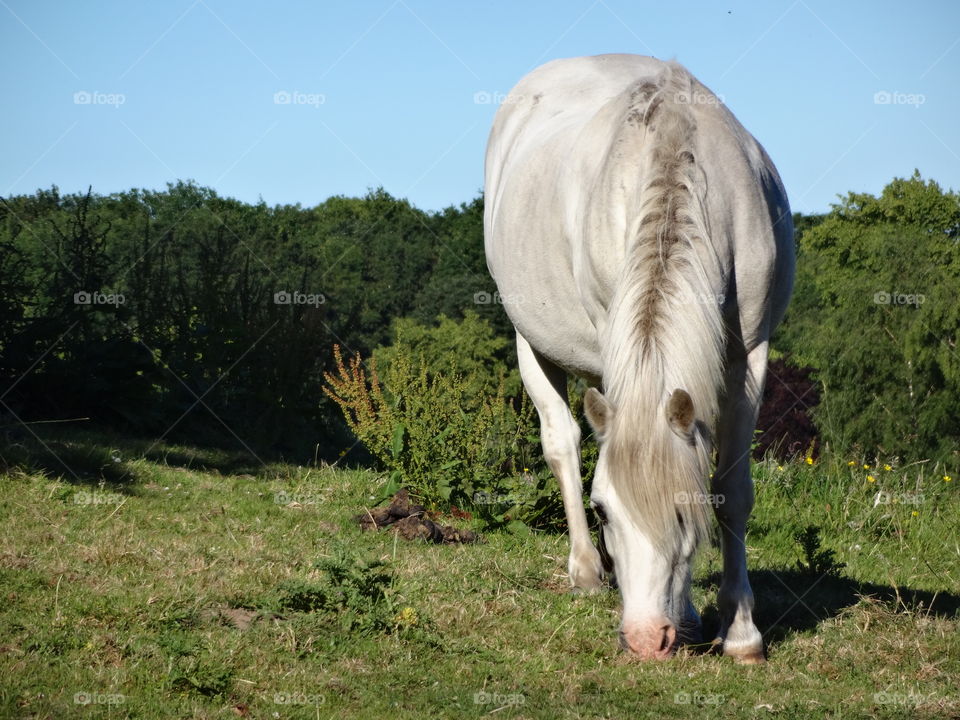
{"points": [[192, 667], [432, 420], [467, 347], [875, 314], [785, 425], [355, 593], [199, 346], [816, 560]]}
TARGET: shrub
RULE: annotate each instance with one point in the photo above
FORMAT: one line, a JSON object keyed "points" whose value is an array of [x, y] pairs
{"points": [[875, 314], [785, 424], [355, 592], [817, 560], [446, 444], [467, 347]]}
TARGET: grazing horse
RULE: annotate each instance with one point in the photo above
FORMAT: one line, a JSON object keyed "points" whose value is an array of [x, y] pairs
{"points": [[645, 240]]}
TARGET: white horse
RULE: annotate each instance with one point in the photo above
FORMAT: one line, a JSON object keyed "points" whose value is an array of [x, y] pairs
{"points": [[646, 239]]}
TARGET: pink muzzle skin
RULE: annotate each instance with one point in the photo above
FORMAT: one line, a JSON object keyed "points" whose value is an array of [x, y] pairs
{"points": [[654, 639]]}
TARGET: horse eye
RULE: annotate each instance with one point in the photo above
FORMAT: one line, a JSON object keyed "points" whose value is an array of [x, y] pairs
{"points": [[601, 513]]}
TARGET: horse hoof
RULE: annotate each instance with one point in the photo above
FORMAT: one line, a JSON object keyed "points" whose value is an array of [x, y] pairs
{"points": [[744, 656], [754, 658], [577, 590]]}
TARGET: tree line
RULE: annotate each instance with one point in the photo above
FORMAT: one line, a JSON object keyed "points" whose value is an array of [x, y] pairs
{"points": [[194, 316], [183, 314]]}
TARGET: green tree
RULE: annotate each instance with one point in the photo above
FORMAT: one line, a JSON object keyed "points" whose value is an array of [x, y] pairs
{"points": [[875, 313]]}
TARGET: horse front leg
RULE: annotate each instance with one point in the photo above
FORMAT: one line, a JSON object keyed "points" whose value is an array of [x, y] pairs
{"points": [[732, 487], [560, 436]]}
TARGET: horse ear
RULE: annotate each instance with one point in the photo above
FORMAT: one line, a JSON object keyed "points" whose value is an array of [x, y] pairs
{"points": [[680, 414], [598, 411]]}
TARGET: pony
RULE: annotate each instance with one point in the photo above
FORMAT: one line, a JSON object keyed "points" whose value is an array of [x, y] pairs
{"points": [[646, 240]]}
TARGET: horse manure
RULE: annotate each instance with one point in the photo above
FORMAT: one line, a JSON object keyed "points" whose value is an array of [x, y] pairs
{"points": [[410, 522]]}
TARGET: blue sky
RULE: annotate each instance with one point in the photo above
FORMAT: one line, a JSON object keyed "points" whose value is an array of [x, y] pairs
{"points": [[401, 93]]}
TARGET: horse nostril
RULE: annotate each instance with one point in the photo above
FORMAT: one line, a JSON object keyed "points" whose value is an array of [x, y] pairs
{"points": [[668, 638]]}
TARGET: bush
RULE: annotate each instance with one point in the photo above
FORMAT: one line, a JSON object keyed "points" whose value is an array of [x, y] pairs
{"points": [[467, 347], [438, 435], [203, 345], [353, 592], [875, 314], [785, 422]]}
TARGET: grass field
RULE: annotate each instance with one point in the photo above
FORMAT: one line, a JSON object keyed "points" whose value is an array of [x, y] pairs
{"points": [[170, 582]]}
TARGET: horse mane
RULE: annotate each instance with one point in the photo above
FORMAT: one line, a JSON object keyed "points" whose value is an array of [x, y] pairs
{"points": [[666, 330]]}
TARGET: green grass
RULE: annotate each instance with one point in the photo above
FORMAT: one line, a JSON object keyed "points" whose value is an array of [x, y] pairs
{"points": [[164, 582]]}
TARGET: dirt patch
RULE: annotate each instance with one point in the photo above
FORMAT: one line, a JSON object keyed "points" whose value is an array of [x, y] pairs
{"points": [[15, 561], [411, 522], [240, 618]]}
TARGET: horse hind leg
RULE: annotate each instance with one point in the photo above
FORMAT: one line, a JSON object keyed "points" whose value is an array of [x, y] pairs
{"points": [[732, 486], [546, 384]]}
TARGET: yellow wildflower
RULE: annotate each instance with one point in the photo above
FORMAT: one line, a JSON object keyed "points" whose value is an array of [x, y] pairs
{"points": [[915, 513], [947, 478], [887, 468], [407, 617], [866, 467], [809, 460], [871, 478], [852, 463]]}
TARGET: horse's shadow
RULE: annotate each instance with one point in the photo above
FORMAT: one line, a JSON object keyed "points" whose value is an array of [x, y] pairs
{"points": [[790, 601]]}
